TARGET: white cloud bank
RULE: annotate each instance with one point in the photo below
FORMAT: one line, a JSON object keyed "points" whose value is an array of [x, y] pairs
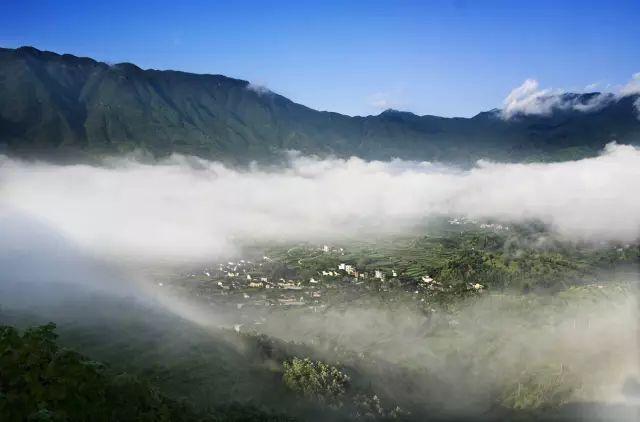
{"points": [[187, 208], [530, 99]]}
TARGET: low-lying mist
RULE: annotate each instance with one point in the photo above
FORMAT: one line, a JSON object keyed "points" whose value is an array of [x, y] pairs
{"points": [[499, 348], [183, 208]]}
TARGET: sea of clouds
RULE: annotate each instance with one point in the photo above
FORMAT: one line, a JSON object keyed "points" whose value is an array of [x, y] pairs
{"points": [[186, 208]]}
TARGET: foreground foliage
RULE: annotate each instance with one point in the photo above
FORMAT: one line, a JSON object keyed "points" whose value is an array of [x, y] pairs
{"points": [[39, 381]]}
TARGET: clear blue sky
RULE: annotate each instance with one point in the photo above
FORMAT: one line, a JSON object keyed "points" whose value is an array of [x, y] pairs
{"points": [[450, 58]]}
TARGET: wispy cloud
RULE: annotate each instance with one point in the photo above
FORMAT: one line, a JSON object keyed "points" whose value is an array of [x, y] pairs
{"points": [[260, 89], [388, 99], [382, 103]]}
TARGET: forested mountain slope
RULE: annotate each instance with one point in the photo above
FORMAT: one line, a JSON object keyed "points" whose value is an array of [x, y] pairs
{"points": [[62, 106]]}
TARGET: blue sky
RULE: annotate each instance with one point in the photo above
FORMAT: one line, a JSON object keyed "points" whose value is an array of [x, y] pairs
{"points": [[452, 58]]}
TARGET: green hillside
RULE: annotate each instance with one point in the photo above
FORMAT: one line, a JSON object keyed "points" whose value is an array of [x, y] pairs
{"points": [[65, 107]]}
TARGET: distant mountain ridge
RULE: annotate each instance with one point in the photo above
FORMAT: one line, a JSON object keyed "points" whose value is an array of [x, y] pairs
{"points": [[71, 108]]}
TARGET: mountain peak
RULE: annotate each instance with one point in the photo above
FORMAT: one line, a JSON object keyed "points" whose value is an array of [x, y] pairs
{"points": [[126, 66], [395, 112]]}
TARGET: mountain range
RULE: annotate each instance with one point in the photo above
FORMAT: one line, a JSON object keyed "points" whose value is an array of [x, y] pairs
{"points": [[63, 107]]}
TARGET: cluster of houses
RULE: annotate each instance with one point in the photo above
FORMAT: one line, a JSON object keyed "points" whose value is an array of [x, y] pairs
{"points": [[351, 270], [458, 221], [252, 290], [244, 287], [462, 221], [494, 227], [249, 283], [246, 274], [329, 249]]}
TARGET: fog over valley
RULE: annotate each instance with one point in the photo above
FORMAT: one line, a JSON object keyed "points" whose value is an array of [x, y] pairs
{"points": [[191, 209]]}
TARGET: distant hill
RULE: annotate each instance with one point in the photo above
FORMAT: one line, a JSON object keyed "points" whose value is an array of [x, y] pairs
{"points": [[64, 107]]}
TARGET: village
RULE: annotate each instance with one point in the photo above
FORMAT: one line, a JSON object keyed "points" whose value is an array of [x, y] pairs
{"points": [[313, 277], [251, 288], [455, 257]]}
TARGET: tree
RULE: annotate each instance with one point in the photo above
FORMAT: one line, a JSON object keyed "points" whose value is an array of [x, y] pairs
{"points": [[316, 380]]}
